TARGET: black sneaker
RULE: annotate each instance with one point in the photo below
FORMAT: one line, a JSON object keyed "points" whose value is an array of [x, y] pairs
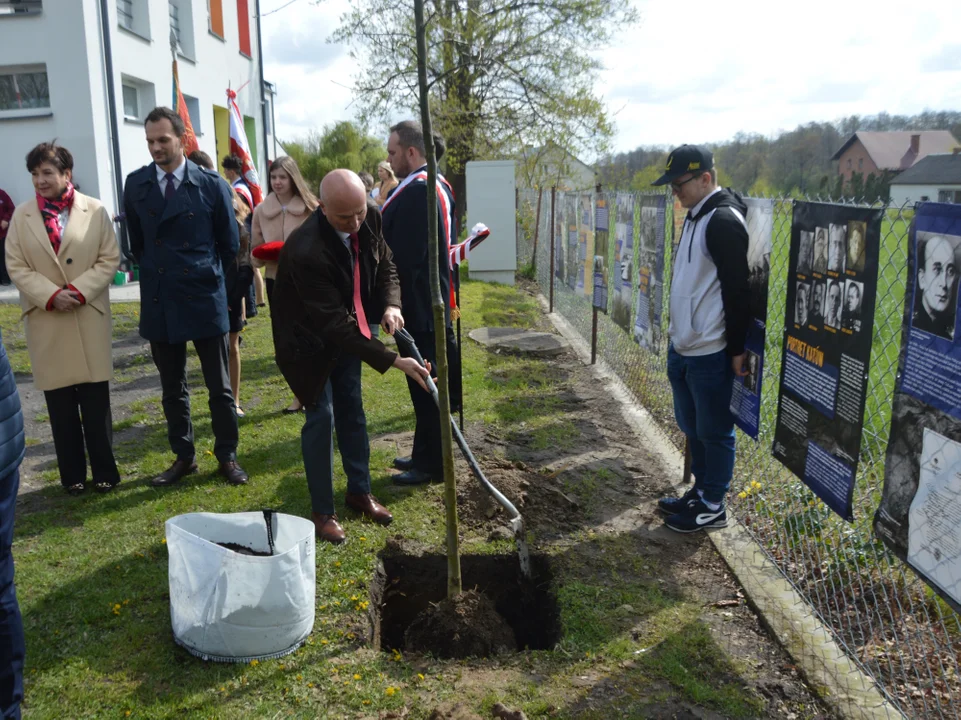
{"points": [[674, 505], [697, 516]]}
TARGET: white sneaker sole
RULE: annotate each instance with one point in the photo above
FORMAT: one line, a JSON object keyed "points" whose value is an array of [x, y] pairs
{"points": [[716, 525]]}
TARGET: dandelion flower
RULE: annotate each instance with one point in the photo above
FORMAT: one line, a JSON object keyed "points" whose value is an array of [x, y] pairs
{"points": [[300, 677], [254, 663], [742, 495], [336, 563], [420, 676], [323, 642], [390, 691], [356, 676]]}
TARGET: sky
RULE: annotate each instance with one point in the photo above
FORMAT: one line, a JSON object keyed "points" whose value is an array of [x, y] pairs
{"points": [[696, 71]]}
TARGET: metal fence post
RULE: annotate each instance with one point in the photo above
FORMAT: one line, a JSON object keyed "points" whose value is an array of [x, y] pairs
{"points": [[551, 236]]}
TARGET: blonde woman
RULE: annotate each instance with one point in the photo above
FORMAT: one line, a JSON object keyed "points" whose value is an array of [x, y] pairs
{"points": [[237, 279], [62, 254], [388, 181], [288, 205]]}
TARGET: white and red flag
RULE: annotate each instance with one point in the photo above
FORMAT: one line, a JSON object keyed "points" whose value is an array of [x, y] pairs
{"points": [[240, 148], [461, 251]]}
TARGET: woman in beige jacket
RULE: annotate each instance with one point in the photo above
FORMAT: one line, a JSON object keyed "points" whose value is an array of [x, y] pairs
{"points": [[62, 254], [289, 203]]}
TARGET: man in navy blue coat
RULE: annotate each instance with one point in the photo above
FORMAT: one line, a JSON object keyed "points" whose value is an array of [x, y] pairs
{"points": [[183, 234], [12, 445], [405, 230]]}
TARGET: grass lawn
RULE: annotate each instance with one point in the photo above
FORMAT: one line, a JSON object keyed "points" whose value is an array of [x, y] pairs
{"points": [[92, 572]]}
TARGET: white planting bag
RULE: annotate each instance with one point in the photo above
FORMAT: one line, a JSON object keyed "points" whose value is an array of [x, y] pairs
{"points": [[230, 607]]}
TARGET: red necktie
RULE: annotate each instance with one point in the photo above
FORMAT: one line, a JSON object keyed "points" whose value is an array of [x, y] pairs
{"points": [[358, 303]]}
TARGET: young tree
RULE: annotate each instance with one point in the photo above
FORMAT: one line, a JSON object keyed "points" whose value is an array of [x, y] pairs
{"points": [[342, 145], [503, 75]]}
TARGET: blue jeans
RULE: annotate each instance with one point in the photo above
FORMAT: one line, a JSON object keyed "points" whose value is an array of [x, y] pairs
{"points": [[341, 407], [12, 648], [702, 406]]}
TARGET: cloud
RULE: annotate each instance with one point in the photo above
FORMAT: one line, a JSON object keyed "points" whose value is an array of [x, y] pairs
{"points": [[948, 58], [832, 92], [301, 38]]}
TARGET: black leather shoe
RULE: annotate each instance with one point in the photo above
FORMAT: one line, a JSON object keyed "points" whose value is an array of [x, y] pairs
{"points": [[416, 477], [403, 463], [175, 473], [233, 472]]}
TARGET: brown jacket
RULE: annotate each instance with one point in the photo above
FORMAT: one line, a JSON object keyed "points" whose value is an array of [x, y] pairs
{"points": [[313, 310], [66, 348], [272, 222]]}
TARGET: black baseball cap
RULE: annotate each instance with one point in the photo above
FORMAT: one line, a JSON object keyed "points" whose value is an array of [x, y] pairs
{"points": [[686, 159]]}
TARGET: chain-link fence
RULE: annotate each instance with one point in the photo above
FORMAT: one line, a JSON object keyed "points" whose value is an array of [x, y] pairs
{"points": [[883, 616]]}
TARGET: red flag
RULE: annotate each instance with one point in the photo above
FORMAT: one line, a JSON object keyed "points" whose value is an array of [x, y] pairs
{"points": [[240, 148], [189, 139]]}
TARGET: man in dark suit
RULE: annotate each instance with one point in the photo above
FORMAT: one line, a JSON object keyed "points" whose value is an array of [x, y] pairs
{"points": [[183, 234], [405, 229], [334, 275]]}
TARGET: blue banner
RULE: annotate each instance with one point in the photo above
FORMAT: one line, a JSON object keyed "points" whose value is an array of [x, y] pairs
{"points": [[746, 396], [623, 260], [602, 221], [650, 272]]}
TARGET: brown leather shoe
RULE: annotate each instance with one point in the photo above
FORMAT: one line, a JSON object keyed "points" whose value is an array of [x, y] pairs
{"points": [[233, 472], [367, 505], [175, 473], [328, 529]]}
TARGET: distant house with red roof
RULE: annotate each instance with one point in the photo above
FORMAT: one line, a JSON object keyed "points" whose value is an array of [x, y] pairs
{"points": [[883, 153]]}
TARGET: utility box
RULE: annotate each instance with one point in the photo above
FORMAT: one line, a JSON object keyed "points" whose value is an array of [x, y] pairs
{"points": [[491, 199]]}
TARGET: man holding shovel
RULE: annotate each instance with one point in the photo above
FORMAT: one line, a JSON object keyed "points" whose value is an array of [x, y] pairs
{"points": [[334, 273]]}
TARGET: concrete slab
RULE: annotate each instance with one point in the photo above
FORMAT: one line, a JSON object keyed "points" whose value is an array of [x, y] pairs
{"points": [[9, 295], [515, 340]]}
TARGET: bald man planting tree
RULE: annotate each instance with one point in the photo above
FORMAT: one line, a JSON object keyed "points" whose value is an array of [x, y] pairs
{"points": [[335, 272]]}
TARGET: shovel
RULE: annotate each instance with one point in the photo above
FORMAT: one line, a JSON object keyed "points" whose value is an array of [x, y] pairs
{"points": [[517, 522]]}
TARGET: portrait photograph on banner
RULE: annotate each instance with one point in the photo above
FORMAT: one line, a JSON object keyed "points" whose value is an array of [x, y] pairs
{"points": [[826, 353], [746, 395], [623, 280], [602, 220], [919, 517], [559, 234], [573, 265], [650, 272], [585, 243]]}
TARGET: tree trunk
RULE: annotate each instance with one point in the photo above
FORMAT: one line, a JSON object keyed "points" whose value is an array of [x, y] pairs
{"points": [[440, 324]]}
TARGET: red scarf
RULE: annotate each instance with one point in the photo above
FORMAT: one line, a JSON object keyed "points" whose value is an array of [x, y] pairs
{"points": [[51, 211]]}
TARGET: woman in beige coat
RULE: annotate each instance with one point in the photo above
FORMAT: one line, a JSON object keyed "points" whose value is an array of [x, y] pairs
{"points": [[62, 254], [289, 203]]}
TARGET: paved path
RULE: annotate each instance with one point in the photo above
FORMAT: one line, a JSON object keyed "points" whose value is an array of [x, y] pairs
{"points": [[118, 293]]}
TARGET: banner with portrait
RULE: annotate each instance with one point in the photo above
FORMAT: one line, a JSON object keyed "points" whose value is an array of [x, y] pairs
{"points": [[559, 234], [623, 282], [746, 396], [573, 265], [602, 221], [829, 322], [919, 517], [585, 243], [650, 272]]}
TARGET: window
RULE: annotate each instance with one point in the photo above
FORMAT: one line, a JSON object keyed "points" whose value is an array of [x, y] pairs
{"points": [[850, 164], [949, 196], [138, 98], [20, 7], [24, 88], [125, 14], [860, 163], [924, 198], [243, 27], [215, 17], [174, 20], [193, 109], [131, 102]]}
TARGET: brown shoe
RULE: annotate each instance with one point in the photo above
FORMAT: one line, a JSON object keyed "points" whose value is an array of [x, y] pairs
{"points": [[367, 505], [175, 473], [233, 472], [328, 529]]}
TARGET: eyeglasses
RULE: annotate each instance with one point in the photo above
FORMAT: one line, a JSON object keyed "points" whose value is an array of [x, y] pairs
{"points": [[676, 186]]}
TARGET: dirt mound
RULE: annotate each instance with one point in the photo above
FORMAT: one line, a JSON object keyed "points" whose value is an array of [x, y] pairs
{"points": [[467, 626]]}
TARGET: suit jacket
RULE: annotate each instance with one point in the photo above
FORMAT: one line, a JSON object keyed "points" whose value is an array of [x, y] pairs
{"points": [[182, 248], [66, 348], [405, 230], [312, 310]]}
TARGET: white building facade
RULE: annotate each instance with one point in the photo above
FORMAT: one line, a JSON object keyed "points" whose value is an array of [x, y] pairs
{"points": [[58, 59]]}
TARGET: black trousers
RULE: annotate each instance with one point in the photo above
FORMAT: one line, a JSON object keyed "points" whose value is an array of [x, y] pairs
{"points": [[171, 361], [426, 455], [269, 287], [80, 415]]}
